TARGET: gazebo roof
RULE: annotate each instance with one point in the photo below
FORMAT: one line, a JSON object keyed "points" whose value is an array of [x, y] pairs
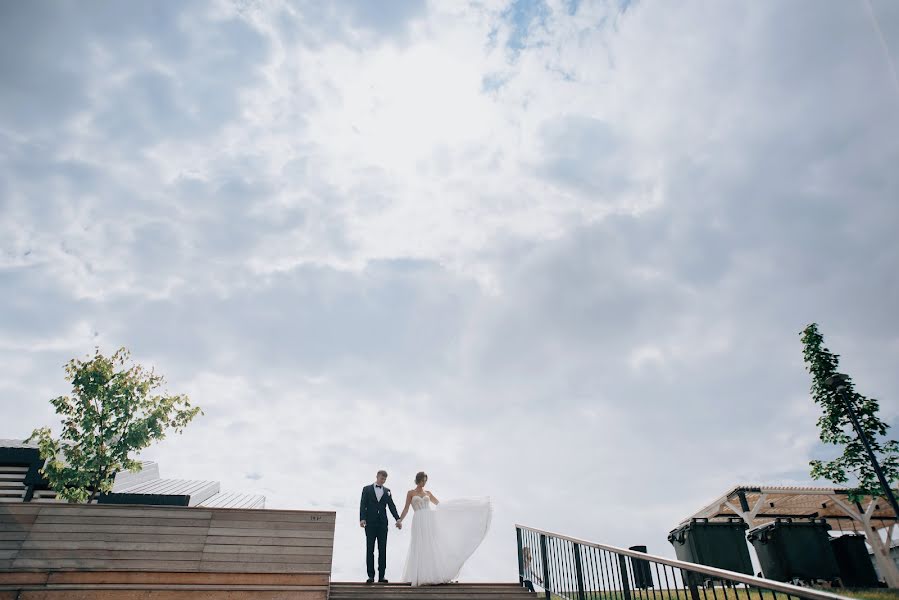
{"points": [[773, 501]]}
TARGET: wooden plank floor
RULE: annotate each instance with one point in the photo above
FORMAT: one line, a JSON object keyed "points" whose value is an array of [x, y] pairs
{"points": [[451, 591]]}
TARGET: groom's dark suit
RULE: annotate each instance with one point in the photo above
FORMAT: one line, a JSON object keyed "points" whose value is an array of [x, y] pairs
{"points": [[374, 513]]}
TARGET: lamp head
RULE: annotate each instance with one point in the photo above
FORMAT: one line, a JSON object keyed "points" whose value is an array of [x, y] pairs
{"points": [[836, 382]]}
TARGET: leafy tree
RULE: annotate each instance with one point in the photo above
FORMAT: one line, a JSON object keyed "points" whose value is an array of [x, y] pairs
{"points": [[113, 411], [836, 427]]}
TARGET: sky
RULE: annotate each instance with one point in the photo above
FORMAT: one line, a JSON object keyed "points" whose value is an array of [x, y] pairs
{"points": [[557, 253]]}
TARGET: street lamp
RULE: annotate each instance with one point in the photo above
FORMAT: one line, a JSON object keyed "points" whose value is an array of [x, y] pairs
{"points": [[838, 384]]}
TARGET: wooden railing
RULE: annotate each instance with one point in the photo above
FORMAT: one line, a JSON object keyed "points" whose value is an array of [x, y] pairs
{"points": [[58, 549]]}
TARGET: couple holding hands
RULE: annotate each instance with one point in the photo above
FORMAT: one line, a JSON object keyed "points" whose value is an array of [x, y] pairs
{"points": [[443, 535]]}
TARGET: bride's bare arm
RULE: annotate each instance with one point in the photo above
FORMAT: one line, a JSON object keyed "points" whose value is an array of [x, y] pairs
{"points": [[433, 498], [408, 503]]}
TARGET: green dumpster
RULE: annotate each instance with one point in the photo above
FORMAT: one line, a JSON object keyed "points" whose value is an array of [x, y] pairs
{"points": [[718, 544], [853, 560], [791, 550]]}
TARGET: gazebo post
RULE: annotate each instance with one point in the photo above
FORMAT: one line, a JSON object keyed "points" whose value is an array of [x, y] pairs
{"points": [[885, 563]]}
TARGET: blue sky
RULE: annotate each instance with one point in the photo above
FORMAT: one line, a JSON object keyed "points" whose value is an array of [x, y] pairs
{"points": [[556, 253]]}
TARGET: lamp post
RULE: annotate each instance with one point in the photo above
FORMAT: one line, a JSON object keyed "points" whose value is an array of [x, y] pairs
{"points": [[838, 384]]}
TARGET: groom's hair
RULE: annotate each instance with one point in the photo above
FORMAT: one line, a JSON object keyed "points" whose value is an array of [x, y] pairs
{"points": [[382, 472]]}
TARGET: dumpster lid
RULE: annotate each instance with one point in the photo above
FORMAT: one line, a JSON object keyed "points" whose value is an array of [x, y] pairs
{"points": [[788, 521]]}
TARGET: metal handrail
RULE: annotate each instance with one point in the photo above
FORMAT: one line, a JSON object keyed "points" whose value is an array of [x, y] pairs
{"points": [[711, 572]]}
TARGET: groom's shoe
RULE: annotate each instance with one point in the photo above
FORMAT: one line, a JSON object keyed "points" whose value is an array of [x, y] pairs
{"points": [[382, 580], [369, 580]]}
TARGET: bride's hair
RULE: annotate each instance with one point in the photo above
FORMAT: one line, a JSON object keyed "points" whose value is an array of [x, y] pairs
{"points": [[420, 477]]}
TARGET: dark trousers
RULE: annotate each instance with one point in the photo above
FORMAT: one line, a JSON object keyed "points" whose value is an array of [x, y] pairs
{"points": [[373, 532]]}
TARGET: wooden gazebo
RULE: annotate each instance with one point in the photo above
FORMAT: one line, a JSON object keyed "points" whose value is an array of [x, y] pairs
{"points": [[760, 504]]}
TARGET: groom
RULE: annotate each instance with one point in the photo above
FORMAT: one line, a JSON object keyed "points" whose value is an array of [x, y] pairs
{"points": [[376, 499]]}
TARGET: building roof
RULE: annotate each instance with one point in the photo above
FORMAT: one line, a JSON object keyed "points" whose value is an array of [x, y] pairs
{"points": [[234, 500], [4, 443], [19, 463]]}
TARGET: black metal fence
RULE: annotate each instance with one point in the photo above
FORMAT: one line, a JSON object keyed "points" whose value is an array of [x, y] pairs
{"points": [[566, 567]]}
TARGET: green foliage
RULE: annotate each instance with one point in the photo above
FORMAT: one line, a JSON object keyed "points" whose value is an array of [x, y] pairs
{"points": [[112, 412], [835, 426]]}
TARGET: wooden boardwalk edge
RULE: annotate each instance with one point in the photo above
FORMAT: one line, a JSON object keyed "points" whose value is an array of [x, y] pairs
{"points": [[69, 552]]}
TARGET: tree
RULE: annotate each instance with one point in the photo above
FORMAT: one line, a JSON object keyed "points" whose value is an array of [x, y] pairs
{"points": [[113, 411], [836, 428]]}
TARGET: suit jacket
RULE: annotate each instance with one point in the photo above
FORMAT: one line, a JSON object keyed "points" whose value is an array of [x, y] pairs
{"points": [[373, 511]]}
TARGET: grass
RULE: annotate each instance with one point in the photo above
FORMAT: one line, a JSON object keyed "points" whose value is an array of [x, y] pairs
{"points": [[720, 593], [869, 593], [677, 594]]}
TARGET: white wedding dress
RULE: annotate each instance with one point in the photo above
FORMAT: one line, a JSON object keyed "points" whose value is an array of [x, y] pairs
{"points": [[443, 537]]}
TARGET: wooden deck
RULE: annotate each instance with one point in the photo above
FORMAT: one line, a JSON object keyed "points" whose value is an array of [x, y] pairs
{"points": [[451, 591], [64, 551]]}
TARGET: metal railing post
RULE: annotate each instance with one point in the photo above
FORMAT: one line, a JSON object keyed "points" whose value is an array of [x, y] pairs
{"points": [[545, 566], [520, 558], [680, 580], [694, 589], [625, 587], [581, 593]]}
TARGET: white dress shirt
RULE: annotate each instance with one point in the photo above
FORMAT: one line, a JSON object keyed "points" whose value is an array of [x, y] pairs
{"points": [[379, 491]]}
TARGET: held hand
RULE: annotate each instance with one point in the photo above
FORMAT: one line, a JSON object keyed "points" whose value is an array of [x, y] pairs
{"points": [[361, 523], [399, 524]]}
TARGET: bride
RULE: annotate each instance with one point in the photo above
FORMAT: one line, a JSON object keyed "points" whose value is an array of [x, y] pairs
{"points": [[444, 535]]}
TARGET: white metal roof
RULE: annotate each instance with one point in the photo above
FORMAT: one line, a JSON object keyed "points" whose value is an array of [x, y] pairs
{"points": [[147, 481], [16, 444], [234, 500]]}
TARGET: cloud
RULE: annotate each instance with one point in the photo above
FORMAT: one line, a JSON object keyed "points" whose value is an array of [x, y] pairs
{"points": [[558, 253]]}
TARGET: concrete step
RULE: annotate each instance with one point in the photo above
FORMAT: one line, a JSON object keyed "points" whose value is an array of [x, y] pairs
{"points": [[449, 591]]}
